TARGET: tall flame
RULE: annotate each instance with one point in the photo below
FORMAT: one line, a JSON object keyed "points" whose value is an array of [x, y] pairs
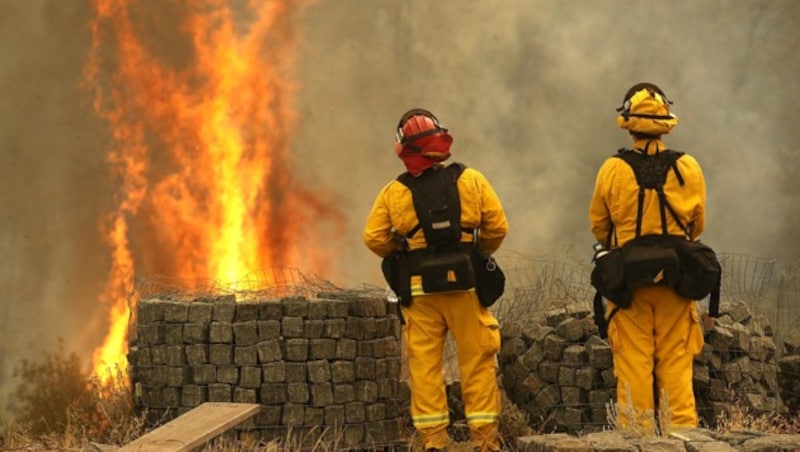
{"points": [[201, 116]]}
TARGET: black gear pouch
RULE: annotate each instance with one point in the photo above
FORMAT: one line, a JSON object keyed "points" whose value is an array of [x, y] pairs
{"points": [[490, 281], [608, 277], [446, 271], [397, 273], [649, 261]]}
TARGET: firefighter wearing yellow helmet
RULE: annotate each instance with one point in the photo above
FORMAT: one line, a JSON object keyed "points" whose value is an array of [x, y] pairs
{"points": [[656, 337], [395, 227]]}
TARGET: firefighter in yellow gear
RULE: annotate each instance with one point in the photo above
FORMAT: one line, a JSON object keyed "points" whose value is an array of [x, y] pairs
{"points": [[655, 340], [422, 144]]}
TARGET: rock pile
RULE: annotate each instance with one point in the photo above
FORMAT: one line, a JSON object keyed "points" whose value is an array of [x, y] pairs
{"points": [[737, 364], [556, 369], [789, 375]]}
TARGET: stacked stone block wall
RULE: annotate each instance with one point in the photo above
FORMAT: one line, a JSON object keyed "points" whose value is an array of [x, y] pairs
{"points": [[556, 368], [321, 368]]}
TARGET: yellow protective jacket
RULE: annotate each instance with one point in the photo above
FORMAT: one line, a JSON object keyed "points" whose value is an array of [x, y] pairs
{"points": [[393, 211], [615, 199]]}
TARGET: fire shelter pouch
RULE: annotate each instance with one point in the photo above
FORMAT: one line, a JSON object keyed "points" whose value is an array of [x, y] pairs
{"points": [[446, 272], [650, 260]]}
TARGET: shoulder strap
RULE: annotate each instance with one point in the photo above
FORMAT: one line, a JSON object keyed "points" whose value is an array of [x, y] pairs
{"points": [[437, 204], [651, 174]]}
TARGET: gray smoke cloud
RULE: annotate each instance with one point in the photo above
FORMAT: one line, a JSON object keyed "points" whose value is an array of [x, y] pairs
{"points": [[527, 88]]}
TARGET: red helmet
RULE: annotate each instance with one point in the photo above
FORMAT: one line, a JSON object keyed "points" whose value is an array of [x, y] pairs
{"points": [[415, 124]]}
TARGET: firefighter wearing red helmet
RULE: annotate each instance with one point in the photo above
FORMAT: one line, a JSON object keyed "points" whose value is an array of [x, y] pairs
{"points": [[394, 227], [655, 338]]}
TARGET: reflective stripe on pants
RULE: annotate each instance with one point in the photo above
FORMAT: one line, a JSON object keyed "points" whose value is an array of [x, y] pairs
{"points": [[477, 338]]}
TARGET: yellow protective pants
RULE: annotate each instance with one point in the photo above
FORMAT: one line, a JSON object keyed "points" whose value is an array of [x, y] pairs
{"points": [[656, 338], [477, 338]]}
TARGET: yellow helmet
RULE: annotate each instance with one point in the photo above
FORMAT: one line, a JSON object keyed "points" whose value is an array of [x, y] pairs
{"points": [[645, 110]]}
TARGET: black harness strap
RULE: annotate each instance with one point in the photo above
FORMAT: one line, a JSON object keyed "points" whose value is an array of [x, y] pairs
{"points": [[651, 173], [425, 188]]}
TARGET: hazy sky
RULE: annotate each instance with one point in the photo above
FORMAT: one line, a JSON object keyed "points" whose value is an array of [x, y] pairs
{"points": [[527, 88]]}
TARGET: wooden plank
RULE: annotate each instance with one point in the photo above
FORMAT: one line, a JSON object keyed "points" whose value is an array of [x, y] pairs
{"points": [[195, 428]]}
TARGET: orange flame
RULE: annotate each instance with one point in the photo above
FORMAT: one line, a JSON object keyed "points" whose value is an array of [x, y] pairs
{"points": [[202, 122]]}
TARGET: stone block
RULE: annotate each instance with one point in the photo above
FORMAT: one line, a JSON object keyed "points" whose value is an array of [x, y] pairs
{"points": [[295, 306], [338, 309], [293, 414], [246, 355], [574, 356], [296, 372], [218, 392], [268, 329], [220, 354], [333, 328], [355, 412], [193, 395], [200, 312], [250, 377], [312, 329], [346, 349], [195, 333], [317, 309], [273, 394], [149, 311], [343, 393], [175, 311], [296, 349], [247, 311], [570, 329], [223, 312], [600, 356], [321, 394], [387, 388], [270, 415], [271, 310], [566, 376], [269, 350], [342, 371], [315, 416], [334, 414], [292, 327], [204, 374], [319, 371], [553, 346], [245, 395], [366, 391], [322, 348], [220, 333], [171, 333], [228, 374], [297, 393], [245, 333], [274, 372]]}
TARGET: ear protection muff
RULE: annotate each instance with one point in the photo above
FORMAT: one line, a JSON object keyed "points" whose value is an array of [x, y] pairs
{"points": [[625, 108], [416, 112]]}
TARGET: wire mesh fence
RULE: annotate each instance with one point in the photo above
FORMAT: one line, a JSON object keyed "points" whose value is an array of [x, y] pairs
{"points": [[262, 284], [537, 284], [745, 277]]}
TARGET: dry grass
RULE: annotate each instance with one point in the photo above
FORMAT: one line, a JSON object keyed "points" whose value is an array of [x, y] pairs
{"points": [[57, 406], [738, 418]]}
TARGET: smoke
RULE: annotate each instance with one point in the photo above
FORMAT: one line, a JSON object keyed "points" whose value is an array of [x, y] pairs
{"points": [[527, 89]]}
